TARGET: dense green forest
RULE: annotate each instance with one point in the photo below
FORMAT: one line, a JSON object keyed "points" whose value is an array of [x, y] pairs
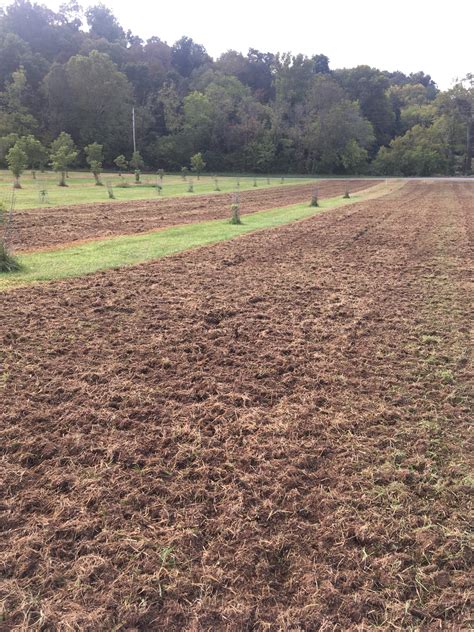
{"points": [[80, 73]]}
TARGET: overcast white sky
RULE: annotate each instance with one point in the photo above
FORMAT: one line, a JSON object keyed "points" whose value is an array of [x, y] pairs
{"points": [[406, 35]]}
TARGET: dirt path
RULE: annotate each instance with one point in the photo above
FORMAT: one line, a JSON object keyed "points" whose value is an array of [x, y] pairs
{"points": [[268, 434], [42, 227]]}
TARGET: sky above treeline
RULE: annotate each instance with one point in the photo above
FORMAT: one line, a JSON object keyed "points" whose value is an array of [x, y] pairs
{"points": [[407, 35]]}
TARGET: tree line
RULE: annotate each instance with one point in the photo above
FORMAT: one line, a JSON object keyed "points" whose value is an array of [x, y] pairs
{"points": [[70, 78]]}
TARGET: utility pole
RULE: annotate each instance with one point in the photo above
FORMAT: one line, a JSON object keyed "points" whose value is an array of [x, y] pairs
{"points": [[133, 130]]}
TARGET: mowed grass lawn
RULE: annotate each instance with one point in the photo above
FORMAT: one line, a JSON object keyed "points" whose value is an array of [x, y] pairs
{"points": [[82, 189], [102, 254]]}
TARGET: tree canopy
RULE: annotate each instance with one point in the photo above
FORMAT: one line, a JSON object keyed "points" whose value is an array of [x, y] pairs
{"points": [[81, 73]]}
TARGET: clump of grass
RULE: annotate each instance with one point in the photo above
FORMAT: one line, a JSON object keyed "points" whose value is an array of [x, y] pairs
{"points": [[430, 339], [8, 263], [446, 376], [167, 557]]}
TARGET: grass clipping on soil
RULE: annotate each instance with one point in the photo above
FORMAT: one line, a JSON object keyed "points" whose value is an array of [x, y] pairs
{"points": [[192, 446]]}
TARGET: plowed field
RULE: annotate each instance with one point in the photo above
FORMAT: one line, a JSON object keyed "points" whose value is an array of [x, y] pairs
{"points": [[54, 226], [266, 434]]}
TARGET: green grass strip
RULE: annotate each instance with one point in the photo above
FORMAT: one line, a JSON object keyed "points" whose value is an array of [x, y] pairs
{"points": [[81, 188], [126, 250]]}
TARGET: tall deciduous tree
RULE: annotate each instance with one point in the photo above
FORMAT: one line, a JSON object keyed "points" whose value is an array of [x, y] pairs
{"points": [[419, 152], [104, 24], [462, 100], [186, 56], [370, 87], [98, 99], [15, 116]]}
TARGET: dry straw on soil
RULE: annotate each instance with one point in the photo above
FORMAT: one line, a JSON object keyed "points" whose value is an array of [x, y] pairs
{"points": [[263, 435]]}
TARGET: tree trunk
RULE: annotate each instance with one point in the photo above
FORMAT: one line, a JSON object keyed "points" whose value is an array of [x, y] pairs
{"points": [[16, 184], [62, 182]]}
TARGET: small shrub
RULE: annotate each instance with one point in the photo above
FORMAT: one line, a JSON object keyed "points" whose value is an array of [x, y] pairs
{"points": [[161, 173], [268, 180], [216, 185], [184, 172], [314, 199], [255, 182], [137, 176], [159, 188], [346, 195], [282, 180], [191, 187]]}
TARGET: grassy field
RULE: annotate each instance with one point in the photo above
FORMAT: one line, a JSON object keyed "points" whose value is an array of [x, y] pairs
{"points": [[82, 189], [131, 249]]}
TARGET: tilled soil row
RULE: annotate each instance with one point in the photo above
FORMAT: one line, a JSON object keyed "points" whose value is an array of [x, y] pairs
{"points": [[267, 434], [42, 227]]}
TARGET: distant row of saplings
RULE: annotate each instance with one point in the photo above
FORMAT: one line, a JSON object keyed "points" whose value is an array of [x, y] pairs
{"points": [[29, 153]]}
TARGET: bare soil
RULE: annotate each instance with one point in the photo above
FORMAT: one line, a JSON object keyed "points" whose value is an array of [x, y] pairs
{"points": [[45, 227], [266, 434]]}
